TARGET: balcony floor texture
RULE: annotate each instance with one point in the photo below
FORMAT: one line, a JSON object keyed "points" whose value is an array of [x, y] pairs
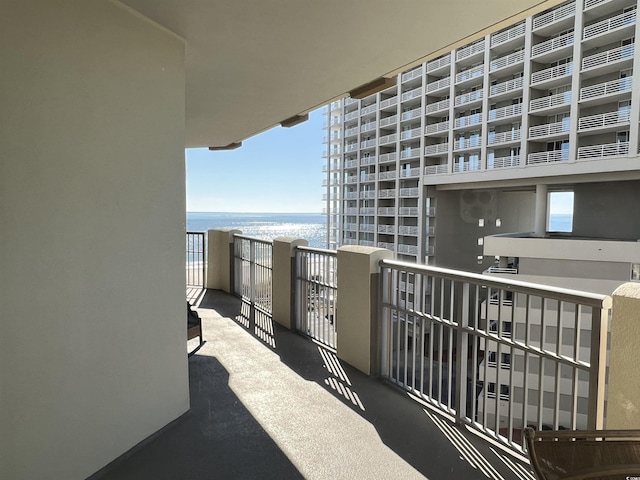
{"points": [[269, 403]]}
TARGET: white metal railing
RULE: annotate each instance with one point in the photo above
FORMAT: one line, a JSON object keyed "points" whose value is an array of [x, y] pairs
{"points": [[350, 101], [368, 126], [507, 60], [411, 74], [554, 15], [440, 332], [436, 169], [351, 210], [415, 93], [463, 143], [387, 193], [409, 173], [389, 102], [389, 211], [387, 139], [552, 44], [391, 174], [438, 85], [387, 245], [470, 50], [468, 120], [388, 120], [369, 177], [415, 113], [367, 227], [252, 274], [609, 56], [469, 97], [351, 164], [386, 228], [558, 99], [550, 128], [408, 211], [610, 24], [607, 88], [507, 35], [604, 120], [504, 112], [388, 157], [367, 243], [474, 72], [352, 179], [369, 109], [368, 194], [409, 192], [370, 160], [437, 127], [409, 230], [558, 71], [367, 210], [436, 149], [410, 152], [438, 106], [413, 133], [548, 157], [601, 151], [438, 63], [349, 132], [503, 137], [592, 3], [505, 87], [351, 195], [351, 116], [317, 293], [408, 249], [503, 162], [351, 227], [511, 271], [466, 167], [368, 143]]}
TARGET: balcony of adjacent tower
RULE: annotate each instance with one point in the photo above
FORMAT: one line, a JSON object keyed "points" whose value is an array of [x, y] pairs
{"points": [[608, 30], [557, 19]]}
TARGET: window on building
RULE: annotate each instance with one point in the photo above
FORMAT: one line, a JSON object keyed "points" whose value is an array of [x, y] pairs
{"points": [[560, 218]]}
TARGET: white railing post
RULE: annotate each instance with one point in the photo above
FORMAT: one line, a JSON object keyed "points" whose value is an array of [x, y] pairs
{"points": [[462, 347]]}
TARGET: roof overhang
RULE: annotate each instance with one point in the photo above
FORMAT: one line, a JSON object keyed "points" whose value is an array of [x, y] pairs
{"points": [[253, 64]]}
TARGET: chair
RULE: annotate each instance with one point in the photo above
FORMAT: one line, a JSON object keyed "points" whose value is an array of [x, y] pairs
{"points": [[579, 455], [194, 326]]}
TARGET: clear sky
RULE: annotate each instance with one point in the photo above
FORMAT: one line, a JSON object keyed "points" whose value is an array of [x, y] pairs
{"points": [[279, 170]]}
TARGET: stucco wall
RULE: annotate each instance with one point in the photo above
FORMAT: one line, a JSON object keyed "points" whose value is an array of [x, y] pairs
{"points": [[92, 280]]}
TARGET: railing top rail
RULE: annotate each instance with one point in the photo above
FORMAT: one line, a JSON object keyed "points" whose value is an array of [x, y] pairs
{"points": [[324, 251], [255, 239], [590, 299], [195, 233]]}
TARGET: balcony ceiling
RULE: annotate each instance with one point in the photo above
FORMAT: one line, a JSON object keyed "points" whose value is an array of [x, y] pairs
{"points": [[252, 63]]}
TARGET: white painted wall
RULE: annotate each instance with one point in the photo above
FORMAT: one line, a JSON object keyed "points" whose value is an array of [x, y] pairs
{"points": [[92, 208]]}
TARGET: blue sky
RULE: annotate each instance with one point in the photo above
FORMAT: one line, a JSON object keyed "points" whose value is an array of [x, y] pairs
{"points": [[279, 170]]}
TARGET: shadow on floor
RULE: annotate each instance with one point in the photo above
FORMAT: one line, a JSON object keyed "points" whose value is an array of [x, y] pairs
{"points": [[218, 438]]}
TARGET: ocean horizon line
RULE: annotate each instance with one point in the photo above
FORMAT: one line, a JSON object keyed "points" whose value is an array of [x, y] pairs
{"points": [[258, 213]]}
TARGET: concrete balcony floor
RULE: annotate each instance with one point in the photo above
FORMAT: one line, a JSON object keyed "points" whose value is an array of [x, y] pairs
{"points": [[270, 403]]}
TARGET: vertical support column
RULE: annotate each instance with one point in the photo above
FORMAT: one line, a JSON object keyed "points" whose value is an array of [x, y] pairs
{"points": [[284, 279], [635, 99], [623, 399], [575, 86], [357, 309], [541, 211], [220, 259]]}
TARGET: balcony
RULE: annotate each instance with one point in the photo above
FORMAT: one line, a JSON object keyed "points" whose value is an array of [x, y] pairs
{"points": [[409, 192], [350, 132], [506, 61], [368, 127], [506, 87], [411, 114], [385, 122], [555, 45], [468, 121], [503, 162], [553, 75], [470, 74], [351, 164], [409, 173], [438, 85], [608, 61], [368, 143], [387, 211], [607, 90], [437, 149], [468, 98], [370, 160], [389, 229], [411, 94], [388, 175], [413, 133], [505, 112], [466, 167], [386, 139], [503, 137], [507, 36], [386, 193], [552, 156], [467, 143], [550, 129], [554, 16], [410, 152], [367, 195], [389, 102], [436, 128], [470, 50], [388, 157], [609, 25], [552, 102], [603, 151], [438, 64], [408, 249], [408, 211], [612, 120], [436, 169], [412, 74], [409, 230], [438, 107]]}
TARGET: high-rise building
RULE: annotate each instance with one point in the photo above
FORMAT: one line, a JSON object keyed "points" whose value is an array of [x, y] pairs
{"points": [[475, 142]]}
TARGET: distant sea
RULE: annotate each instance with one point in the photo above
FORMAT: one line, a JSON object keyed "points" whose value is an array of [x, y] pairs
{"points": [[267, 226], [560, 222]]}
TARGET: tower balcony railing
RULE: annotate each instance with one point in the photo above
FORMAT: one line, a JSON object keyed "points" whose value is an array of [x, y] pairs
{"points": [[368, 143], [437, 127], [386, 139], [605, 89], [503, 137], [601, 151], [470, 50], [438, 85], [389, 102], [387, 245], [466, 167], [469, 97], [547, 129], [387, 211], [369, 177], [368, 126], [552, 73], [548, 157], [554, 15], [351, 195], [505, 87], [438, 106], [368, 194], [408, 211], [411, 74], [469, 74], [409, 192], [508, 35], [559, 99], [351, 210], [415, 113], [387, 193], [468, 120], [351, 164], [370, 160], [351, 147], [466, 143], [410, 152], [608, 57], [367, 227], [503, 162], [388, 157], [592, 3], [507, 60], [505, 112], [388, 175], [409, 230], [369, 109], [436, 169], [410, 173], [437, 149], [351, 116], [411, 94], [605, 26], [350, 101], [386, 228], [552, 44], [602, 120], [367, 211], [384, 122], [352, 179], [351, 227], [350, 132], [408, 249], [413, 133], [438, 63]]}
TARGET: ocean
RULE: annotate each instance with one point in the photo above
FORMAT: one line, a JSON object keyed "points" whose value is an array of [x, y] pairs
{"points": [[267, 226]]}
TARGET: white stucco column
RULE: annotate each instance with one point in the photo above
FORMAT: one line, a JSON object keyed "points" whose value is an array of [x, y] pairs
{"points": [[284, 279], [623, 401], [357, 308], [220, 259], [541, 211]]}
